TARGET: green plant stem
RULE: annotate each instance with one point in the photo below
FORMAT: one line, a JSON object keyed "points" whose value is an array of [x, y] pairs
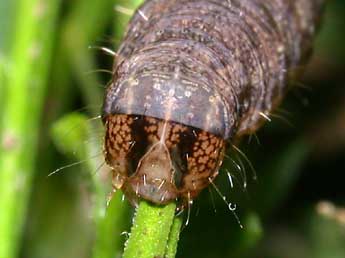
{"points": [[3, 80], [85, 27], [174, 237], [109, 237], [6, 18], [27, 80], [150, 231]]}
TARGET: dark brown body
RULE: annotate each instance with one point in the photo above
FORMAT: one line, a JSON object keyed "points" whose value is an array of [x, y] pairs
{"points": [[220, 66]]}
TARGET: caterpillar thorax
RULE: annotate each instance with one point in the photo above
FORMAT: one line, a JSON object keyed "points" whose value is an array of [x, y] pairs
{"points": [[191, 74]]}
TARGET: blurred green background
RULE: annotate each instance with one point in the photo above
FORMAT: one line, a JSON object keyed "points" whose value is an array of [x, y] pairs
{"points": [[295, 208]]}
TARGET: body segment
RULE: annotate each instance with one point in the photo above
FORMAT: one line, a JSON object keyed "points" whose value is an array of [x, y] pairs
{"points": [[216, 67]]}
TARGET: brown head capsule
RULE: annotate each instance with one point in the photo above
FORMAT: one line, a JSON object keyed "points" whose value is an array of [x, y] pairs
{"points": [[160, 160], [190, 75]]}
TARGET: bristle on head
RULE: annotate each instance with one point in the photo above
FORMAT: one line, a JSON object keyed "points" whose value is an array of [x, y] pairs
{"points": [[159, 160]]}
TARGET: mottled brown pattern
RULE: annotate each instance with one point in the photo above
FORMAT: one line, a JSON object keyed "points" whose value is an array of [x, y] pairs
{"points": [[216, 68], [117, 145], [160, 160], [203, 163]]}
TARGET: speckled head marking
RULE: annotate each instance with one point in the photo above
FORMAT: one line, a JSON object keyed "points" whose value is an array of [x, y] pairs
{"points": [[191, 74], [159, 160]]}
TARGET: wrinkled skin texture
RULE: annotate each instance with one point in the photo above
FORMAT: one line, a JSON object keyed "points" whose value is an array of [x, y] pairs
{"points": [[216, 66]]}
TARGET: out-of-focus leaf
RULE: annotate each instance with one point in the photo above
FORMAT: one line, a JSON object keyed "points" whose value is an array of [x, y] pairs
{"points": [[124, 10], [327, 231], [279, 175], [70, 133], [327, 44], [251, 234], [74, 136]]}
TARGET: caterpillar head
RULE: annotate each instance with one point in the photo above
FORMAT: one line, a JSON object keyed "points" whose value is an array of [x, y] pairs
{"points": [[160, 161]]}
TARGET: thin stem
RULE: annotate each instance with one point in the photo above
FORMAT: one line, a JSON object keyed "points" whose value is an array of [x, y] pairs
{"points": [[29, 63], [174, 237], [6, 18], [150, 231], [84, 27], [111, 229]]}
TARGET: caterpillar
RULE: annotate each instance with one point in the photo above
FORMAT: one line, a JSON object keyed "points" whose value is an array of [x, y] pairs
{"points": [[190, 77]]}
